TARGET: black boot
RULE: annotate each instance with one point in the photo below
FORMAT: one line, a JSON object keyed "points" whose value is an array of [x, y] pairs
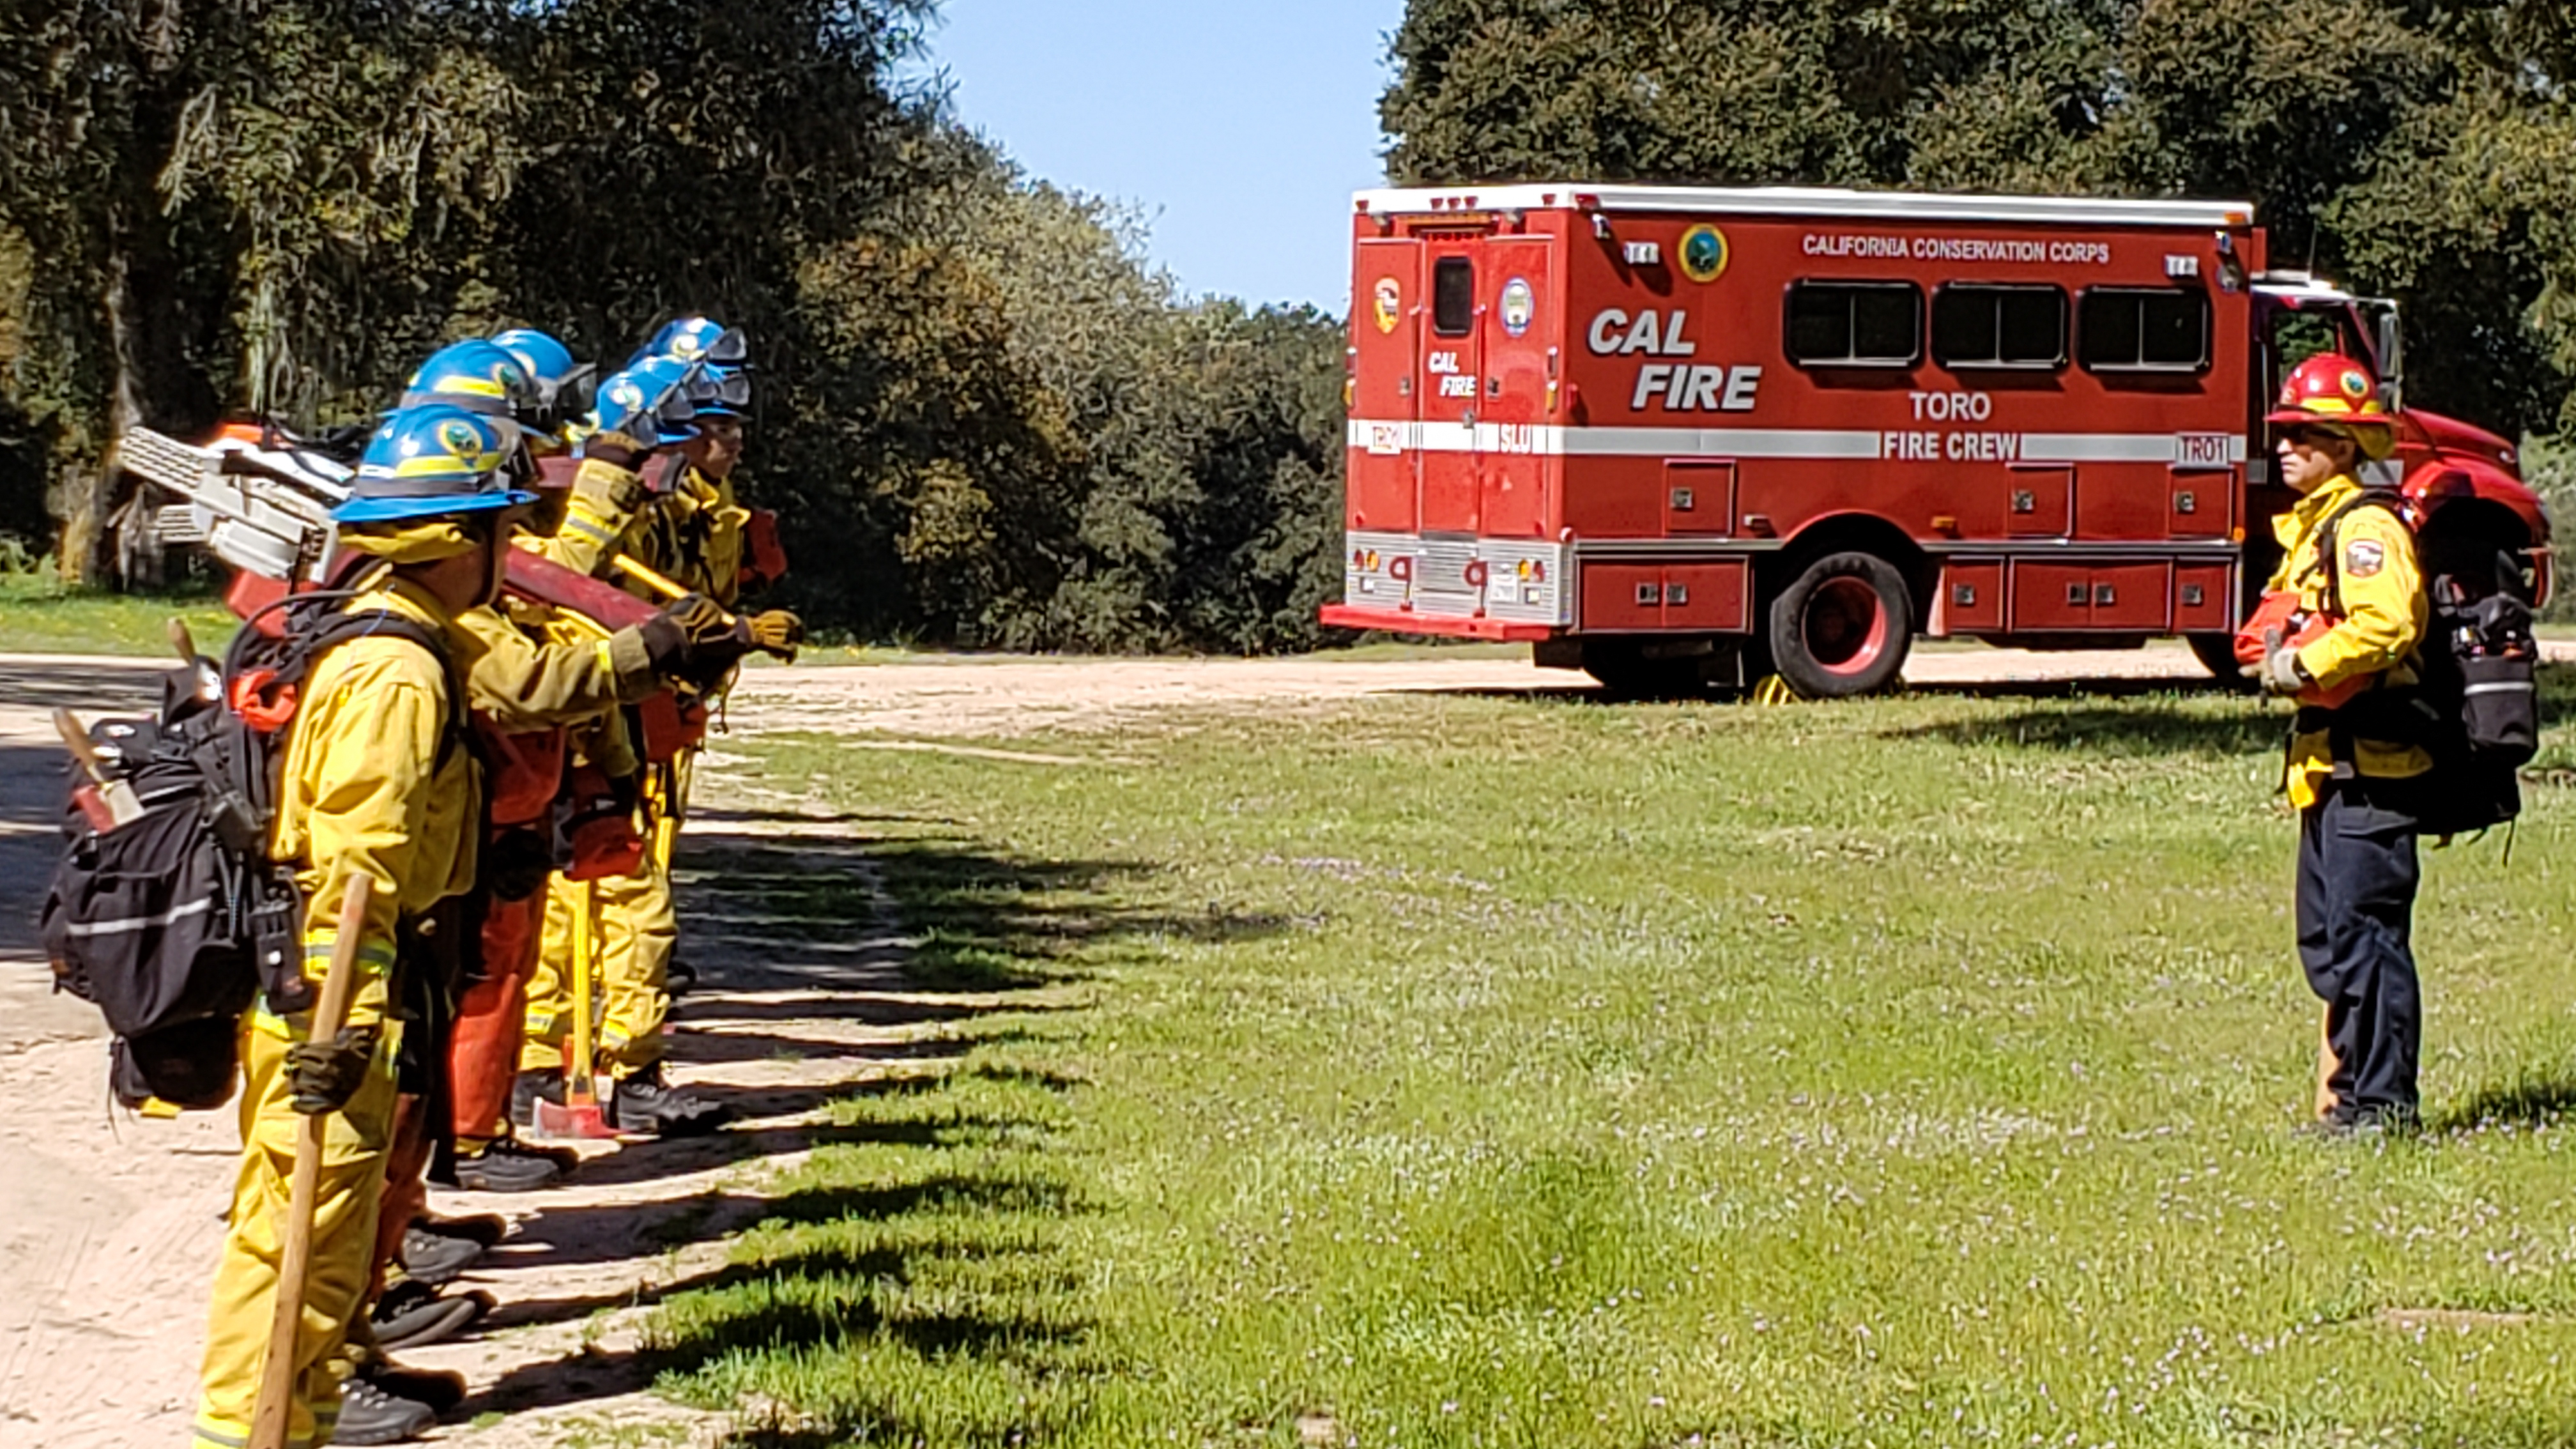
{"points": [[506, 1166], [431, 1259], [484, 1230], [436, 1390], [369, 1415], [645, 1102], [527, 1088], [412, 1315]]}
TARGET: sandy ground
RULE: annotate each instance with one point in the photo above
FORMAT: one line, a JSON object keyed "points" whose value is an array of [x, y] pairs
{"points": [[967, 698], [109, 1224]]}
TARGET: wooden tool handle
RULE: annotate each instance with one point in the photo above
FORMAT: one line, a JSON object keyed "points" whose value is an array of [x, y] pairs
{"points": [[77, 740], [183, 643], [277, 1373]]}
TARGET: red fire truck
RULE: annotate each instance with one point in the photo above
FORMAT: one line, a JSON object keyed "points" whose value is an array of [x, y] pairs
{"points": [[1683, 438]]}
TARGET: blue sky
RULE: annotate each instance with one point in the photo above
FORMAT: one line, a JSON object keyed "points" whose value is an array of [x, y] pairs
{"points": [[1240, 129]]}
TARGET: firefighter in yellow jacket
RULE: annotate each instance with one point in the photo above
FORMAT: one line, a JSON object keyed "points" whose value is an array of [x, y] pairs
{"points": [[2339, 634], [372, 781], [686, 529]]}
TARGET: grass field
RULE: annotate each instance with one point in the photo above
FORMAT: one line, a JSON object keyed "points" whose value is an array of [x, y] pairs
{"points": [[1457, 1071], [41, 616]]}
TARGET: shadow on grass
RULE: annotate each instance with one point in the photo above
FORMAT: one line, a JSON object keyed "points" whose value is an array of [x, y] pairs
{"points": [[923, 1224], [2152, 719], [2145, 729], [2535, 1098]]}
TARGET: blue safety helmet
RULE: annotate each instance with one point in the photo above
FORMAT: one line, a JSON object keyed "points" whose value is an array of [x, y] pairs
{"points": [[478, 377], [563, 385], [432, 461], [652, 393], [698, 339]]}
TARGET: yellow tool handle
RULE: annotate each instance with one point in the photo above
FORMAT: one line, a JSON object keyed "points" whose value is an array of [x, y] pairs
{"points": [[649, 579], [277, 1374], [578, 1085], [76, 740]]}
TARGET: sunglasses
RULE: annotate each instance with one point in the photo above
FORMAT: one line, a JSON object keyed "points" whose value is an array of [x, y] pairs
{"points": [[2304, 437]]}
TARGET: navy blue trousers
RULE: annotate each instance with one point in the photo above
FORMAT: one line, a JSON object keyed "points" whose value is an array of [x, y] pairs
{"points": [[2357, 880]]}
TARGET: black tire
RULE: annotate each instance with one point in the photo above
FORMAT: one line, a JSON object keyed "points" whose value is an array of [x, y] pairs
{"points": [[2217, 654], [1843, 627]]}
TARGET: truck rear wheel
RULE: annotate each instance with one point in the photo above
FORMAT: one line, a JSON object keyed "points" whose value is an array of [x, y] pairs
{"points": [[1842, 627]]}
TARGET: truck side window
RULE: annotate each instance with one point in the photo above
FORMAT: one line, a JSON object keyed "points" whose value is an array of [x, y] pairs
{"points": [[1453, 296], [2018, 327], [1855, 324], [2145, 329]]}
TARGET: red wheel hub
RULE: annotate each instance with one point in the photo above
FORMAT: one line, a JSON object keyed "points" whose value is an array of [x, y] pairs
{"points": [[1845, 626]]}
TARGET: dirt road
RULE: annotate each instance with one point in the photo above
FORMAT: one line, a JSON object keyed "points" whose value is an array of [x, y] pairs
{"points": [[109, 1224]]}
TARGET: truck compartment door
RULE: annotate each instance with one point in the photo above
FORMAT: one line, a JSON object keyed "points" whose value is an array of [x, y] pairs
{"points": [[1699, 497], [2201, 501], [2039, 500], [1386, 327]]}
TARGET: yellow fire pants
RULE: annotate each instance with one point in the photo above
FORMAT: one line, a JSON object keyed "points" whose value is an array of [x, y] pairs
{"points": [[639, 928], [354, 1145]]}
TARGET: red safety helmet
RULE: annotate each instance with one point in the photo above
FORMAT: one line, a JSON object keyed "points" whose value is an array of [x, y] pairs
{"points": [[2338, 393]]}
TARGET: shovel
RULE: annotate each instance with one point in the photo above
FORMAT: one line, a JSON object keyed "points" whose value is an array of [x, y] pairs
{"points": [[579, 1117]]}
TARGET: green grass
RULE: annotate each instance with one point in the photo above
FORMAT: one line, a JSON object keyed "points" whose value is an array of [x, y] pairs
{"points": [[38, 615], [1457, 1071]]}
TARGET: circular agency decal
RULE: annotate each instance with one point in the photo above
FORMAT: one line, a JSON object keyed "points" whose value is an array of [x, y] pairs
{"points": [[1520, 306], [1704, 253], [1389, 304]]}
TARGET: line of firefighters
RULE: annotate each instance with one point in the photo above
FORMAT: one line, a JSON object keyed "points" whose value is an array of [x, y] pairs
{"points": [[441, 774]]}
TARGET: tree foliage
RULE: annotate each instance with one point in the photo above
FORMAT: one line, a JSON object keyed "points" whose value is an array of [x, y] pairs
{"points": [[2420, 148], [986, 419]]}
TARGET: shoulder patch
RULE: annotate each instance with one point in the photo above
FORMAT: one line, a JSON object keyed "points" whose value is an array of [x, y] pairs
{"points": [[2364, 558]]}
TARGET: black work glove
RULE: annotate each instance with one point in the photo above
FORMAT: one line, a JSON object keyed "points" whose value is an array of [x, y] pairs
{"points": [[676, 639], [516, 864], [710, 660], [321, 1076]]}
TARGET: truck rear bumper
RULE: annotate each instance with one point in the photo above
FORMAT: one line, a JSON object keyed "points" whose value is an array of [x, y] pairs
{"points": [[1403, 621]]}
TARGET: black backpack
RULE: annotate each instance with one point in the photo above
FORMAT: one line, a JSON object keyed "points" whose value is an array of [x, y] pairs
{"points": [[173, 923], [2476, 704]]}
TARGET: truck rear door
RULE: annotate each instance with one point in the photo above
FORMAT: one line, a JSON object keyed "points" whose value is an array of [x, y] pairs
{"points": [[1451, 386], [1388, 318], [1517, 330]]}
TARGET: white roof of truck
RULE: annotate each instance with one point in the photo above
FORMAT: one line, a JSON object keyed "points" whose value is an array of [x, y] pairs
{"points": [[1819, 201]]}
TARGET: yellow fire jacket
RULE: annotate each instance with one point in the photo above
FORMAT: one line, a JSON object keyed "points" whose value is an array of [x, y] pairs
{"points": [[603, 503], [366, 786], [692, 535], [523, 683], [2384, 617]]}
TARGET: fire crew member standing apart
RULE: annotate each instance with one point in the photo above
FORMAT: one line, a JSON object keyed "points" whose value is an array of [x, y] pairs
{"points": [[2338, 633], [369, 783]]}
